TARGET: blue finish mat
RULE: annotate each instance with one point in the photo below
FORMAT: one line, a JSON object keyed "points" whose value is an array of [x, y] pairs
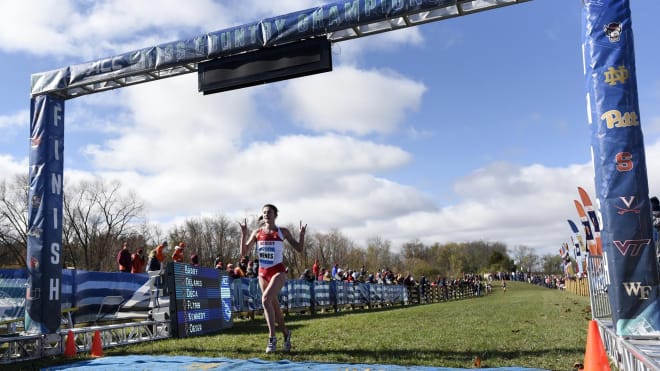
{"points": [[159, 363]]}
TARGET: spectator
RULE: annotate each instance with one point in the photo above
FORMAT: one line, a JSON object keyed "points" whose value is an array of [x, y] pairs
{"points": [[243, 264], [156, 257], [152, 263], [315, 268], [230, 271], [409, 280], [238, 271], [137, 262], [124, 259], [269, 240], [252, 270], [177, 256], [194, 260], [307, 276]]}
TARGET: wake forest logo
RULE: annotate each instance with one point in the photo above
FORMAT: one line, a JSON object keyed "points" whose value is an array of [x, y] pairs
{"points": [[613, 31], [616, 75], [637, 289]]}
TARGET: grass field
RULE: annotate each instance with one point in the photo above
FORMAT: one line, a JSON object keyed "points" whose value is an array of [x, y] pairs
{"points": [[528, 326]]}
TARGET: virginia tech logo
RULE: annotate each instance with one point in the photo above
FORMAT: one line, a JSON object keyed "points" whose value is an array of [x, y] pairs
{"points": [[632, 246], [613, 31]]}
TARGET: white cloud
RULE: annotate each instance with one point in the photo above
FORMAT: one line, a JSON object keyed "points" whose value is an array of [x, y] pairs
{"points": [[101, 28], [351, 52], [21, 118], [503, 202], [350, 100], [10, 167]]}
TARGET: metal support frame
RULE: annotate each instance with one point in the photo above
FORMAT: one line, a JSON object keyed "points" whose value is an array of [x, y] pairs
{"points": [[629, 354], [444, 10], [20, 348]]}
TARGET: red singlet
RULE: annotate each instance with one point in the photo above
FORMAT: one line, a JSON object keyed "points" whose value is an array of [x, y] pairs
{"points": [[270, 246]]}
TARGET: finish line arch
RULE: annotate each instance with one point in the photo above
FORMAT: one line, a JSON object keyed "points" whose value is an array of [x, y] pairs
{"points": [[612, 106]]}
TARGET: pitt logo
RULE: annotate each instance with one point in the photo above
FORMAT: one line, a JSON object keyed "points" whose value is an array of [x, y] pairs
{"points": [[637, 289], [624, 162], [634, 246], [628, 209], [614, 76], [614, 118]]}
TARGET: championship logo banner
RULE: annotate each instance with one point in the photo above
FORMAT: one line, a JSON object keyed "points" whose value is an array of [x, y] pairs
{"points": [[44, 247], [620, 167]]}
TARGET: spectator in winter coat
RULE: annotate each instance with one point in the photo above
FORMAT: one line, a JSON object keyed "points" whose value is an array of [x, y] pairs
{"points": [[177, 256], [124, 259], [137, 262]]}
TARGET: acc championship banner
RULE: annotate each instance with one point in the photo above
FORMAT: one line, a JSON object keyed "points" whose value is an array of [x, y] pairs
{"points": [[44, 265], [340, 18], [620, 166]]}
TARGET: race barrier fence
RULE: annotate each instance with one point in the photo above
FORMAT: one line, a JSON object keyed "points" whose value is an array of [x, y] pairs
{"points": [[83, 293]]}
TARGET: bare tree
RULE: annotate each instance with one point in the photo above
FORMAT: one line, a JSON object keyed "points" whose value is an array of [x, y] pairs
{"points": [[97, 215], [13, 219], [208, 238], [378, 254], [525, 259]]}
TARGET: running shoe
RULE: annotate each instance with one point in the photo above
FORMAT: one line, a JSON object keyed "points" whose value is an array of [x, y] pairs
{"points": [[272, 344], [287, 342]]}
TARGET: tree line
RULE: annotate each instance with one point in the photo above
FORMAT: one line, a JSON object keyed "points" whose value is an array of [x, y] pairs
{"points": [[99, 215]]}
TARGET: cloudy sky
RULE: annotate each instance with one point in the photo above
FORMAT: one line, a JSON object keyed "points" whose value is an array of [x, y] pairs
{"points": [[472, 128]]}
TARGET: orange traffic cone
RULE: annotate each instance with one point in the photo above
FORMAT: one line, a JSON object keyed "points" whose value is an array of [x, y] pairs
{"points": [[70, 349], [97, 347], [595, 357]]}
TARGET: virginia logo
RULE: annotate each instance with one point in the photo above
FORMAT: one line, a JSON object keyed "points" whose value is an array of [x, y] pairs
{"points": [[628, 201]]}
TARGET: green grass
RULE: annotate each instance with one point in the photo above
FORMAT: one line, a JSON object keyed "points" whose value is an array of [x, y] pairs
{"points": [[528, 326]]}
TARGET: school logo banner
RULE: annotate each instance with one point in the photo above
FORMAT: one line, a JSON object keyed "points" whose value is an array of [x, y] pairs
{"points": [[620, 166]]}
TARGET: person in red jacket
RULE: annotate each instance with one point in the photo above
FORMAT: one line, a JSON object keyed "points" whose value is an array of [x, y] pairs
{"points": [[137, 261], [124, 259], [315, 268]]}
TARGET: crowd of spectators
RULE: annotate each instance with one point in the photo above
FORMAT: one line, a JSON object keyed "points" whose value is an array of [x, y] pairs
{"points": [[249, 268]]}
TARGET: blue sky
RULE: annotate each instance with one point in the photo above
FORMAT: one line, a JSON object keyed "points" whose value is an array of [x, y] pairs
{"points": [[472, 128]]}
